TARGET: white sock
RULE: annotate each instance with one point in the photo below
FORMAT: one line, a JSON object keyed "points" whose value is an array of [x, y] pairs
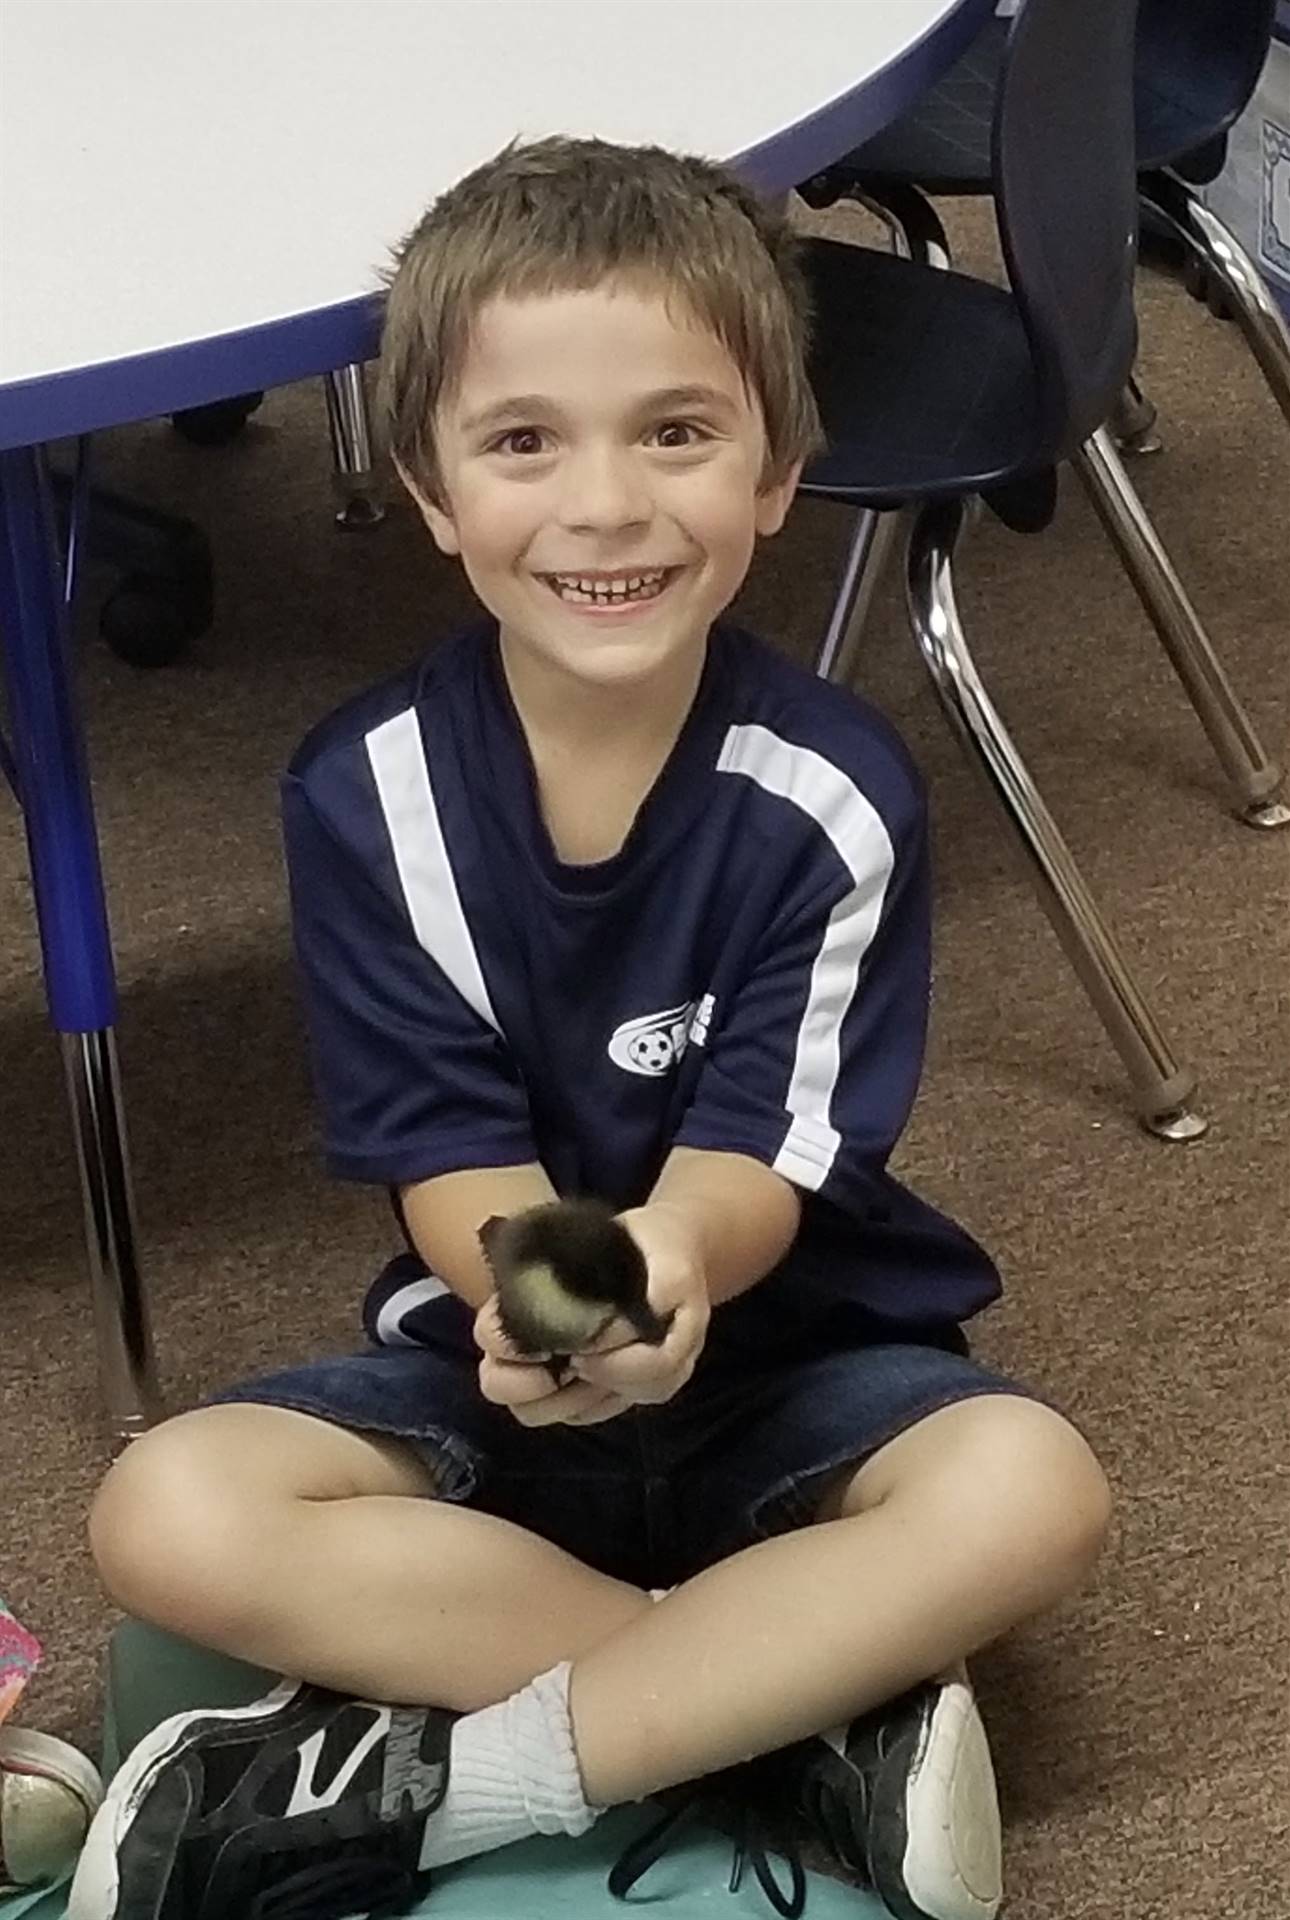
{"points": [[513, 1772]]}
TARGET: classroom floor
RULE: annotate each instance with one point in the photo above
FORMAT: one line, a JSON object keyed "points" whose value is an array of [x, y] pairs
{"points": [[1140, 1733]]}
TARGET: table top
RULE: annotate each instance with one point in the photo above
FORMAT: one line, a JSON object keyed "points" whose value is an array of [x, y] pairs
{"points": [[198, 194]]}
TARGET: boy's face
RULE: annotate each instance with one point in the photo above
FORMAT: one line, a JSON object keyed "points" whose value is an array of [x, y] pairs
{"points": [[593, 438]]}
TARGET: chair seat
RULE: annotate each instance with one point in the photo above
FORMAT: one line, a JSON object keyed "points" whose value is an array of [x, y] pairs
{"points": [[943, 146], [950, 406]]}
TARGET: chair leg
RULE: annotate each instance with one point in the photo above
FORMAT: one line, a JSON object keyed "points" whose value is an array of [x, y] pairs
{"points": [[916, 233], [351, 444], [1133, 423], [1219, 251], [1256, 778], [911, 220], [872, 539], [1161, 1087]]}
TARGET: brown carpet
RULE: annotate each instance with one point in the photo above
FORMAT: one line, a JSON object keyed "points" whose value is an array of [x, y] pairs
{"points": [[1141, 1733]]}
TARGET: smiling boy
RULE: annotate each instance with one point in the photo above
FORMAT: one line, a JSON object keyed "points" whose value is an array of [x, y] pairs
{"points": [[603, 897]]}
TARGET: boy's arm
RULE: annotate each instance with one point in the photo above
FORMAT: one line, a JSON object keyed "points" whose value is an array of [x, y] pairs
{"points": [[744, 1218], [444, 1215]]}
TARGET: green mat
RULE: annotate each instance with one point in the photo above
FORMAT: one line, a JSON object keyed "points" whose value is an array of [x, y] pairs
{"points": [[38, 1906], [152, 1675]]}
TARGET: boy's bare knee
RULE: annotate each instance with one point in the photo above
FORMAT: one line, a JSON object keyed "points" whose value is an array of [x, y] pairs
{"points": [[161, 1530], [1009, 1470], [1044, 1479], [194, 1524], [182, 1523]]}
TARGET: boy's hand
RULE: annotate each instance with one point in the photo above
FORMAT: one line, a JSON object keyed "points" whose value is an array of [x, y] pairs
{"points": [[619, 1363], [522, 1382], [620, 1370]]}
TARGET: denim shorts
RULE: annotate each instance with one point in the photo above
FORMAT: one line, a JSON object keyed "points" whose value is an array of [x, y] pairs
{"points": [[651, 1497]]}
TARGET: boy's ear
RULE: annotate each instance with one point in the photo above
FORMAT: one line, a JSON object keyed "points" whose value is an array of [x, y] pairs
{"points": [[774, 501], [438, 519]]}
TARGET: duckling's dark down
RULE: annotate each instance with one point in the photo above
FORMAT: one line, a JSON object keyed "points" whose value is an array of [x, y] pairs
{"points": [[563, 1271]]}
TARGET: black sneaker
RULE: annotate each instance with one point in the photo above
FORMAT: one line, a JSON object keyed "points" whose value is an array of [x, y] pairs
{"points": [[306, 1804], [906, 1803], [743, 1802]]}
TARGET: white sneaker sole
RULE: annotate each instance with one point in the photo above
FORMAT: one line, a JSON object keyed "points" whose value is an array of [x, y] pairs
{"points": [[96, 1887], [953, 1856]]}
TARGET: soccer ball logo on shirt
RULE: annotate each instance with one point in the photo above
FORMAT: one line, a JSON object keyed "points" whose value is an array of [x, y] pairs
{"points": [[653, 1043]]}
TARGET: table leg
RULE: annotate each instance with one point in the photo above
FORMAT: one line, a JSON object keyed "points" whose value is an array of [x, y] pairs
{"points": [[351, 445], [80, 985]]}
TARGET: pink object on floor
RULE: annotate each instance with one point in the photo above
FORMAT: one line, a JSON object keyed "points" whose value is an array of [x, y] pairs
{"points": [[20, 1654]]}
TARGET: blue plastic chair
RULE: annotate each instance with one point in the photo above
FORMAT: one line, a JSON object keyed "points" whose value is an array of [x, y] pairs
{"points": [[935, 387], [1196, 64]]}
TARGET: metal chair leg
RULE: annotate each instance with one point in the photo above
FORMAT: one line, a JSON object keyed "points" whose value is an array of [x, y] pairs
{"points": [[1132, 425], [1256, 778], [53, 781], [916, 234], [351, 444], [872, 539], [1222, 255], [1162, 1089], [911, 220]]}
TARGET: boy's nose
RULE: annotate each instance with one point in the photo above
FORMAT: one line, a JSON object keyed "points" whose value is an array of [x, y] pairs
{"points": [[603, 489]]}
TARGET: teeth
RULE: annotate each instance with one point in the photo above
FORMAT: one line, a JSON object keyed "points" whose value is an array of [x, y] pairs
{"points": [[626, 583], [623, 588]]}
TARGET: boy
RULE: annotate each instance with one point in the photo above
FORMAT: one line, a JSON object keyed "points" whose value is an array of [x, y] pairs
{"points": [[602, 897]]}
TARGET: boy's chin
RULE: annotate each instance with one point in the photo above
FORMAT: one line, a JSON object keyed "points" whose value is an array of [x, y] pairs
{"points": [[609, 658]]}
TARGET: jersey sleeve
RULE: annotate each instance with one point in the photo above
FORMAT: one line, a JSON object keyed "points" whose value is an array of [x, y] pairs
{"points": [[813, 1065], [413, 1080]]}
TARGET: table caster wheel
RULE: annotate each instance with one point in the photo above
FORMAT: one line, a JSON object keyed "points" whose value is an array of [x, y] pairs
{"points": [[152, 614], [217, 423]]}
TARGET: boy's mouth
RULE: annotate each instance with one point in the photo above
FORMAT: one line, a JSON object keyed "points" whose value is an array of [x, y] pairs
{"points": [[610, 590]]}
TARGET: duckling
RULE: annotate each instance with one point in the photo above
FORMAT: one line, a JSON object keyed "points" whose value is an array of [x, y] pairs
{"points": [[563, 1270]]}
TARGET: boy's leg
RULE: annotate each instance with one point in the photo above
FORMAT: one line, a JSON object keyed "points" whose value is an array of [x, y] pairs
{"points": [[296, 1545], [979, 1516], [316, 1551]]}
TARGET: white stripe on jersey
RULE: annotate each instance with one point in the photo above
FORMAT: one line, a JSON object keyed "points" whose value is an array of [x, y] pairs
{"points": [[397, 755], [855, 828]]}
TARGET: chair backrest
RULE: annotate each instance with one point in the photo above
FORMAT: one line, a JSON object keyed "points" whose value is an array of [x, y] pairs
{"points": [[1065, 185], [1198, 63]]}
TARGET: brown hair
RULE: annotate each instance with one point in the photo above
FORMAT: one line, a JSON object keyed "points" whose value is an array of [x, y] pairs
{"points": [[561, 215]]}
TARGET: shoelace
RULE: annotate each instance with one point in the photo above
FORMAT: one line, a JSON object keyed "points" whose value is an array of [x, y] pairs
{"points": [[334, 1889], [841, 1826], [639, 1856]]}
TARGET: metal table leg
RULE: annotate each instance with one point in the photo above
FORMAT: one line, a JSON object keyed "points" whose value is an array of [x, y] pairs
{"points": [[349, 423], [52, 781]]}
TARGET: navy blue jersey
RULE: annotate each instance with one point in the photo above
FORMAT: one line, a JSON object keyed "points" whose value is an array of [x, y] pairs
{"points": [[748, 973]]}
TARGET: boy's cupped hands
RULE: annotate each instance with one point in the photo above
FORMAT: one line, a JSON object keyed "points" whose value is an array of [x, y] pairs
{"points": [[618, 1370]]}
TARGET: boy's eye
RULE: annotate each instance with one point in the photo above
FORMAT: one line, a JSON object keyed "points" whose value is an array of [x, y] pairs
{"points": [[679, 433], [518, 440]]}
